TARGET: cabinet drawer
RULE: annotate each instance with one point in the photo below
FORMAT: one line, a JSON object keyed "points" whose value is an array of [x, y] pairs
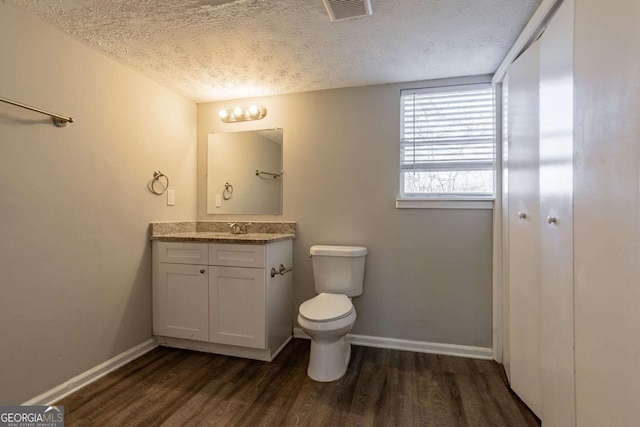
{"points": [[183, 253], [237, 255]]}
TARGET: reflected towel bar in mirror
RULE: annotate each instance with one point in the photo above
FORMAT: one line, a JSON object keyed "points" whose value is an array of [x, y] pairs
{"points": [[274, 175]]}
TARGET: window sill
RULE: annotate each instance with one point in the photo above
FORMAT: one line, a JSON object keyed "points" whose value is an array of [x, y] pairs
{"points": [[446, 203]]}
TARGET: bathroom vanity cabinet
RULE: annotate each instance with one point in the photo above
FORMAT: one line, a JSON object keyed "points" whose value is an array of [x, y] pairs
{"points": [[223, 297]]}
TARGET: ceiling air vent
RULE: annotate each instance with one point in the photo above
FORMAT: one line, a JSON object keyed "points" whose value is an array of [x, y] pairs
{"points": [[346, 9]]}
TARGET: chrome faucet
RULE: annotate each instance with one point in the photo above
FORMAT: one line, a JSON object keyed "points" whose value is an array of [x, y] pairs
{"points": [[239, 228]]}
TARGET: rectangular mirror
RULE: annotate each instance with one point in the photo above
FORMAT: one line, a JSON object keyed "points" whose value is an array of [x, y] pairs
{"points": [[244, 172]]}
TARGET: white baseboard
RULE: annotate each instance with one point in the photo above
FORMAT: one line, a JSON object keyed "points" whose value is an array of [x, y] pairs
{"points": [[416, 346], [76, 383]]}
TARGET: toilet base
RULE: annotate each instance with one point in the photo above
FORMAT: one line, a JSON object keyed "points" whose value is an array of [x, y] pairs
{"points": [[328, 361]]}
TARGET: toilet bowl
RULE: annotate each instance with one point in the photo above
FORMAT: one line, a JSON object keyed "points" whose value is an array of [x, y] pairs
{"points": [[328, 317]]}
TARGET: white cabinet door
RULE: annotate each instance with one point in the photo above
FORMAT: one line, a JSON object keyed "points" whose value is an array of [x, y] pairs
{"points": [[237, 306], [183, 304], [524, 228], [556, 233]]}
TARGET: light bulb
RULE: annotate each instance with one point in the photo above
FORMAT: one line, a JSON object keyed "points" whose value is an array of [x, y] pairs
{"points": [[253, 110], [223, 114], [237, 111]]}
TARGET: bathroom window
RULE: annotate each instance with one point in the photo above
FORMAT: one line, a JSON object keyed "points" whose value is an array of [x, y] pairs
{"points": [[447, 148]]}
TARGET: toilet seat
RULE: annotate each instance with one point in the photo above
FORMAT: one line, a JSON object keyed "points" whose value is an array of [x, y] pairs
{"points": [[326, 307]]}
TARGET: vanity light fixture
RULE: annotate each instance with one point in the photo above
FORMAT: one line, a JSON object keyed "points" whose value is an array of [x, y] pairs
{"points": [[241, 114]]}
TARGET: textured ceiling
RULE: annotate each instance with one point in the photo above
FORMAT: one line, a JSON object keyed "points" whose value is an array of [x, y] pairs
{"points": [[223, 49]]}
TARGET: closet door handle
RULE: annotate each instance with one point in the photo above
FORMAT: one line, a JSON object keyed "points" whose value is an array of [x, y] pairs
{"points": [[522, 215], [552, 220]]}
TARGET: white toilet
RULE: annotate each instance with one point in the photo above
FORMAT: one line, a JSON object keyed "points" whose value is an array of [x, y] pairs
{"points": [[338, 274]]}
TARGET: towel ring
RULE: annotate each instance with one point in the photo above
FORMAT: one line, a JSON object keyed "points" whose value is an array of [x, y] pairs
{"points": [[228, 191], [156, 178]]}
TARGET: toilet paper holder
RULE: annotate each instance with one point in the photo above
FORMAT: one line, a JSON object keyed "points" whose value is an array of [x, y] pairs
{"points": [[282, 270]]}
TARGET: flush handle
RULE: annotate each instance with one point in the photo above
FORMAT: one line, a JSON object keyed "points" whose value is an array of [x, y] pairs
{"points": [[552, 220], [522, 215]]}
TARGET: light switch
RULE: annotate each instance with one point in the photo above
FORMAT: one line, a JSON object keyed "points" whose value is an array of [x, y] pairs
{"points": [[218, 200], [171, 197]]}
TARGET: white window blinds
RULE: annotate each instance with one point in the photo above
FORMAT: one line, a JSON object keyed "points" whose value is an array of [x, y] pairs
{"points": [[447, 140]]}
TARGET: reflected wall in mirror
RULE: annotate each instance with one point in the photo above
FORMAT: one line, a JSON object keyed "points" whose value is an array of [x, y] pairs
{"points": [[233, 184]]}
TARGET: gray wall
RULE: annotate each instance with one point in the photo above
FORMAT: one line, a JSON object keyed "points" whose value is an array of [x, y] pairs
{"points": [[75, 261], [428, 274]]}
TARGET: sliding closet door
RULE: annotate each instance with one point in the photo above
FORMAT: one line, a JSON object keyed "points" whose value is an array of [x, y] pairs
{"points": [[504, 225], [524, 227], [556, 228]]}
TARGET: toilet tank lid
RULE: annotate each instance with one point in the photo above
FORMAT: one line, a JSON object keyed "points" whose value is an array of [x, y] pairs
{"points": [[346, 251]]}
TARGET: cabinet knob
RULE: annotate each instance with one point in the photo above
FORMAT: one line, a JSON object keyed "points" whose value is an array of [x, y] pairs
{"points": [[522, 215], [202, 271], [552, 220]]}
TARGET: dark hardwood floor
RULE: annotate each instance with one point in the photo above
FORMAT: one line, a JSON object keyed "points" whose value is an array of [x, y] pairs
{"points": [[172, 387]]}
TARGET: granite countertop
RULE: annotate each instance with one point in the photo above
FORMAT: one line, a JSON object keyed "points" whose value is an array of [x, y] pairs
{"points": [[217, 237], [260, 232]]}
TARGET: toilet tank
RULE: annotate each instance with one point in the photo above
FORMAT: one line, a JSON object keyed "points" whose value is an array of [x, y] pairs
{"points": [[338, 269]]}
